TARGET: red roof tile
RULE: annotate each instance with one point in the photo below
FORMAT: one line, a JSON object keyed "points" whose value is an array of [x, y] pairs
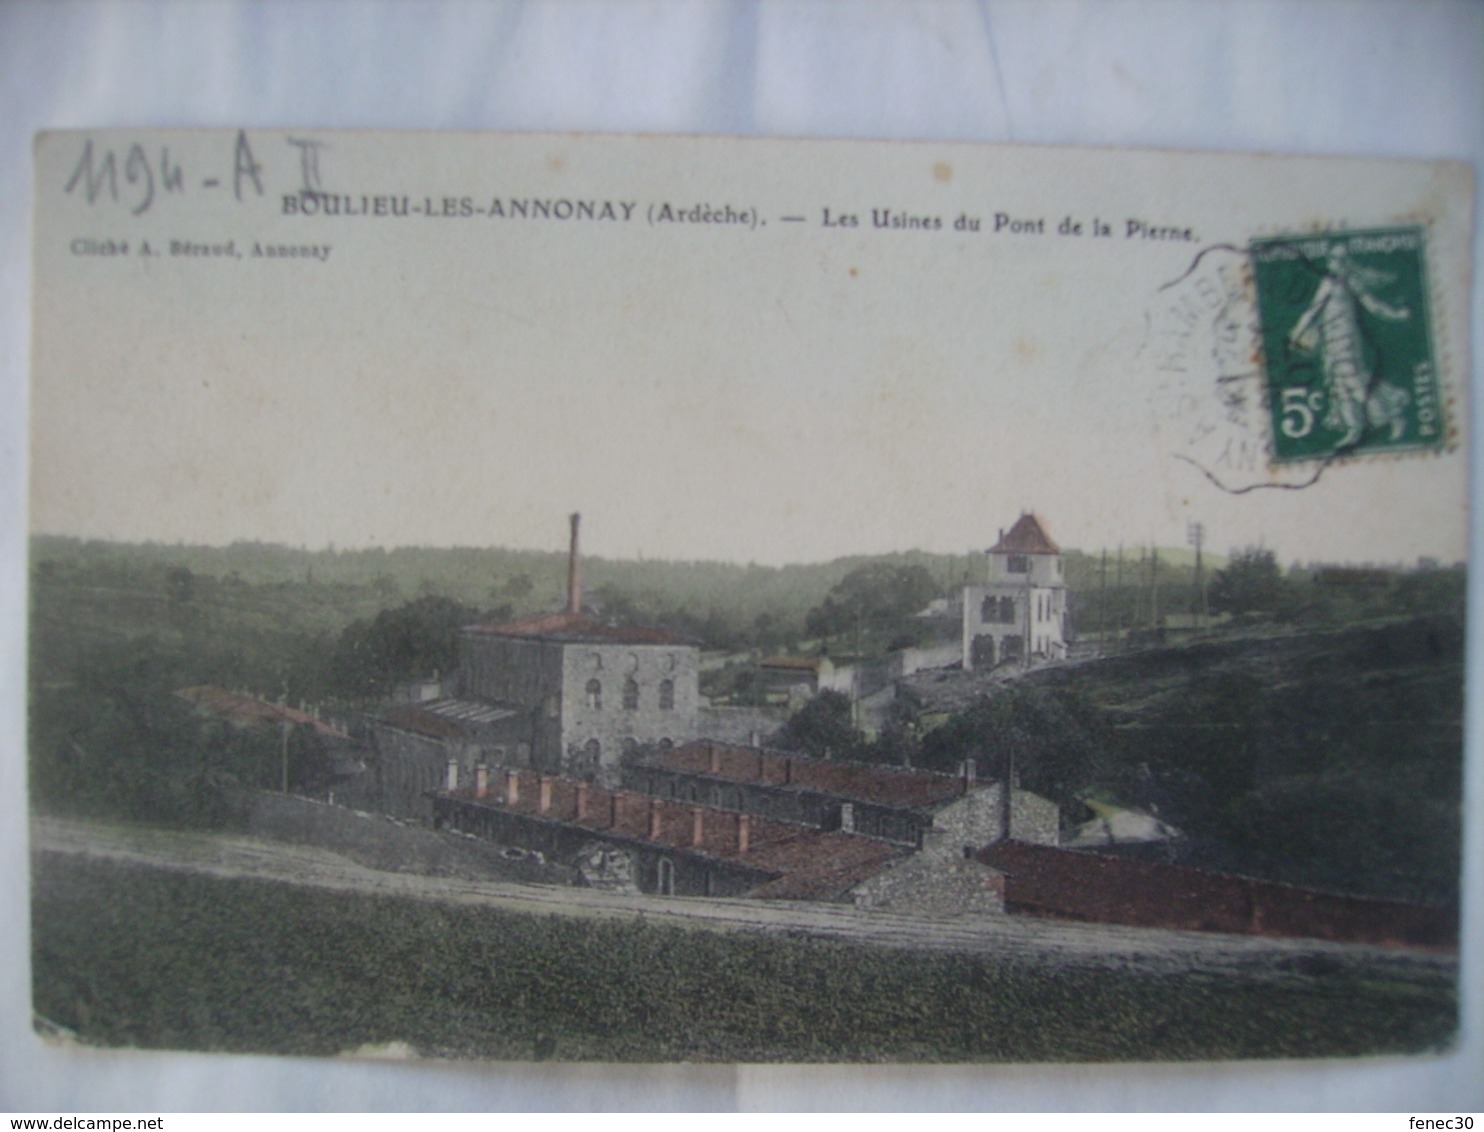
{"points": [[579, 628], [860, 782], [808, 864], [1027, 536], [216, 701]]}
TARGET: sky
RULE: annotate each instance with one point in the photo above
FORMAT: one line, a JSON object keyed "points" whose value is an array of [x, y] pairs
{"points": [[874, 376]]}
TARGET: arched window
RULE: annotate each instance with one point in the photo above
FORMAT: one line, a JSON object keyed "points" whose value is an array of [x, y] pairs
{"points": [[595, 694], [631, 694], [988, 610], [667, 695], [592, 752], [630, 745], [666, 744]]}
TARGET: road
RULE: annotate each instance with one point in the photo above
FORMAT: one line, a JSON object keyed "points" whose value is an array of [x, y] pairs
{"points": [[1011, 937]]}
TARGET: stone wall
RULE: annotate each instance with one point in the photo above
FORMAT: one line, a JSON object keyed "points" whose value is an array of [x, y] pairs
{"points": [[603, 715], [977, 819], [929, 884]]}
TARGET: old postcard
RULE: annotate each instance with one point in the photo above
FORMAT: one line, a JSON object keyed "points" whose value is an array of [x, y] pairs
{"points": [[684, 599]]}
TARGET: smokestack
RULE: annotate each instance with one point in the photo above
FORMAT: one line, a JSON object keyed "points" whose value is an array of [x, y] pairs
{"points": [[481, 780], [544, 796], [574, 571], [744, 832], [512, 787], [453, 774], [655, 821], [697, 826], [581, 793]]}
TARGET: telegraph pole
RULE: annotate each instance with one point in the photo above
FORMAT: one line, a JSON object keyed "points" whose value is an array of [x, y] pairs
{"points": [[1195, 534], [1103, 604]]}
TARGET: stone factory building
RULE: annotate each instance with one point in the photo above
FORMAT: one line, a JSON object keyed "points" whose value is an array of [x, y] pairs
{"points": [[915, 808], [1020, 616], [561, 692], [628, 842]]}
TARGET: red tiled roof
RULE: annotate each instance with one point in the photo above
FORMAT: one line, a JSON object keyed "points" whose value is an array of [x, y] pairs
{"points": [[1027, 536], [808, 864], [860, 782], [216, 701], [579, 628]]}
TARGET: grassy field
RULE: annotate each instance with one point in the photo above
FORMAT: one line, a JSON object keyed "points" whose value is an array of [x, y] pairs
{"points": [[140, 957]]}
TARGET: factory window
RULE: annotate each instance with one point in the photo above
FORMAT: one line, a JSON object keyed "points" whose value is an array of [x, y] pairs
{"points": [[667, 695], [1018, 564], [595, 695], [631, 694]]}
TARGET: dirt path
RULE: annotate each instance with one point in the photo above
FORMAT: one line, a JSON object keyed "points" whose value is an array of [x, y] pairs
{"points": [[1008, 936]]}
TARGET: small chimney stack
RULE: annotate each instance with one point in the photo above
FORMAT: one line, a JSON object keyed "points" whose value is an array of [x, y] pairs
{"points": [[512, 787], [656, 819], [481, 780], [752, 737], [847, 817], [581, 792], [574, 570], [452, 782], [544, 794], [744, 832], [713, 759], [697, 826]]}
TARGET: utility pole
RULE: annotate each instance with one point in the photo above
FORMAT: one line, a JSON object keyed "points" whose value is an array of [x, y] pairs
{"points": [[1103, 603], [1195, 534], [1153, 586]]}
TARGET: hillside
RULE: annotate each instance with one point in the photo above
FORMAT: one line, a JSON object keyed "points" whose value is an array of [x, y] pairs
{"points": [[1327, 758]]}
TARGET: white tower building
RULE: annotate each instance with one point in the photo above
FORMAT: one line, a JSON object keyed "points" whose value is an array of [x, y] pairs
{"points": [[1020, 616]]}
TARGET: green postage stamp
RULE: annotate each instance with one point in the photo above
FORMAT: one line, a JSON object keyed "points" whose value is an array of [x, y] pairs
{"points": [[1347, 343]]}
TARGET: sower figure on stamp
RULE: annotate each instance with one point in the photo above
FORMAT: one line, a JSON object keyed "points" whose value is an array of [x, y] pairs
{"points": [[1331, 315]]}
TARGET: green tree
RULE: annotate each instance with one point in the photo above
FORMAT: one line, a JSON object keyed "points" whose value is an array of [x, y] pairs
{"points": [[1250, 583], [823, 728]]}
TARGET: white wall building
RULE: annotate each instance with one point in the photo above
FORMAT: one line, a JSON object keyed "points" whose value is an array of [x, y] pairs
{"points": [[1020, 616]]}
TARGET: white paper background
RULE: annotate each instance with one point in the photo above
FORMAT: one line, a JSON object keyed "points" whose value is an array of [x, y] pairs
{"points": [[1380, 79]]}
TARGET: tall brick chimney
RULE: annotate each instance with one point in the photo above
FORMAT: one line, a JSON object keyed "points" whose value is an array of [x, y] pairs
{"points": [[581, 793], [697, 826], [574, 570]]}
